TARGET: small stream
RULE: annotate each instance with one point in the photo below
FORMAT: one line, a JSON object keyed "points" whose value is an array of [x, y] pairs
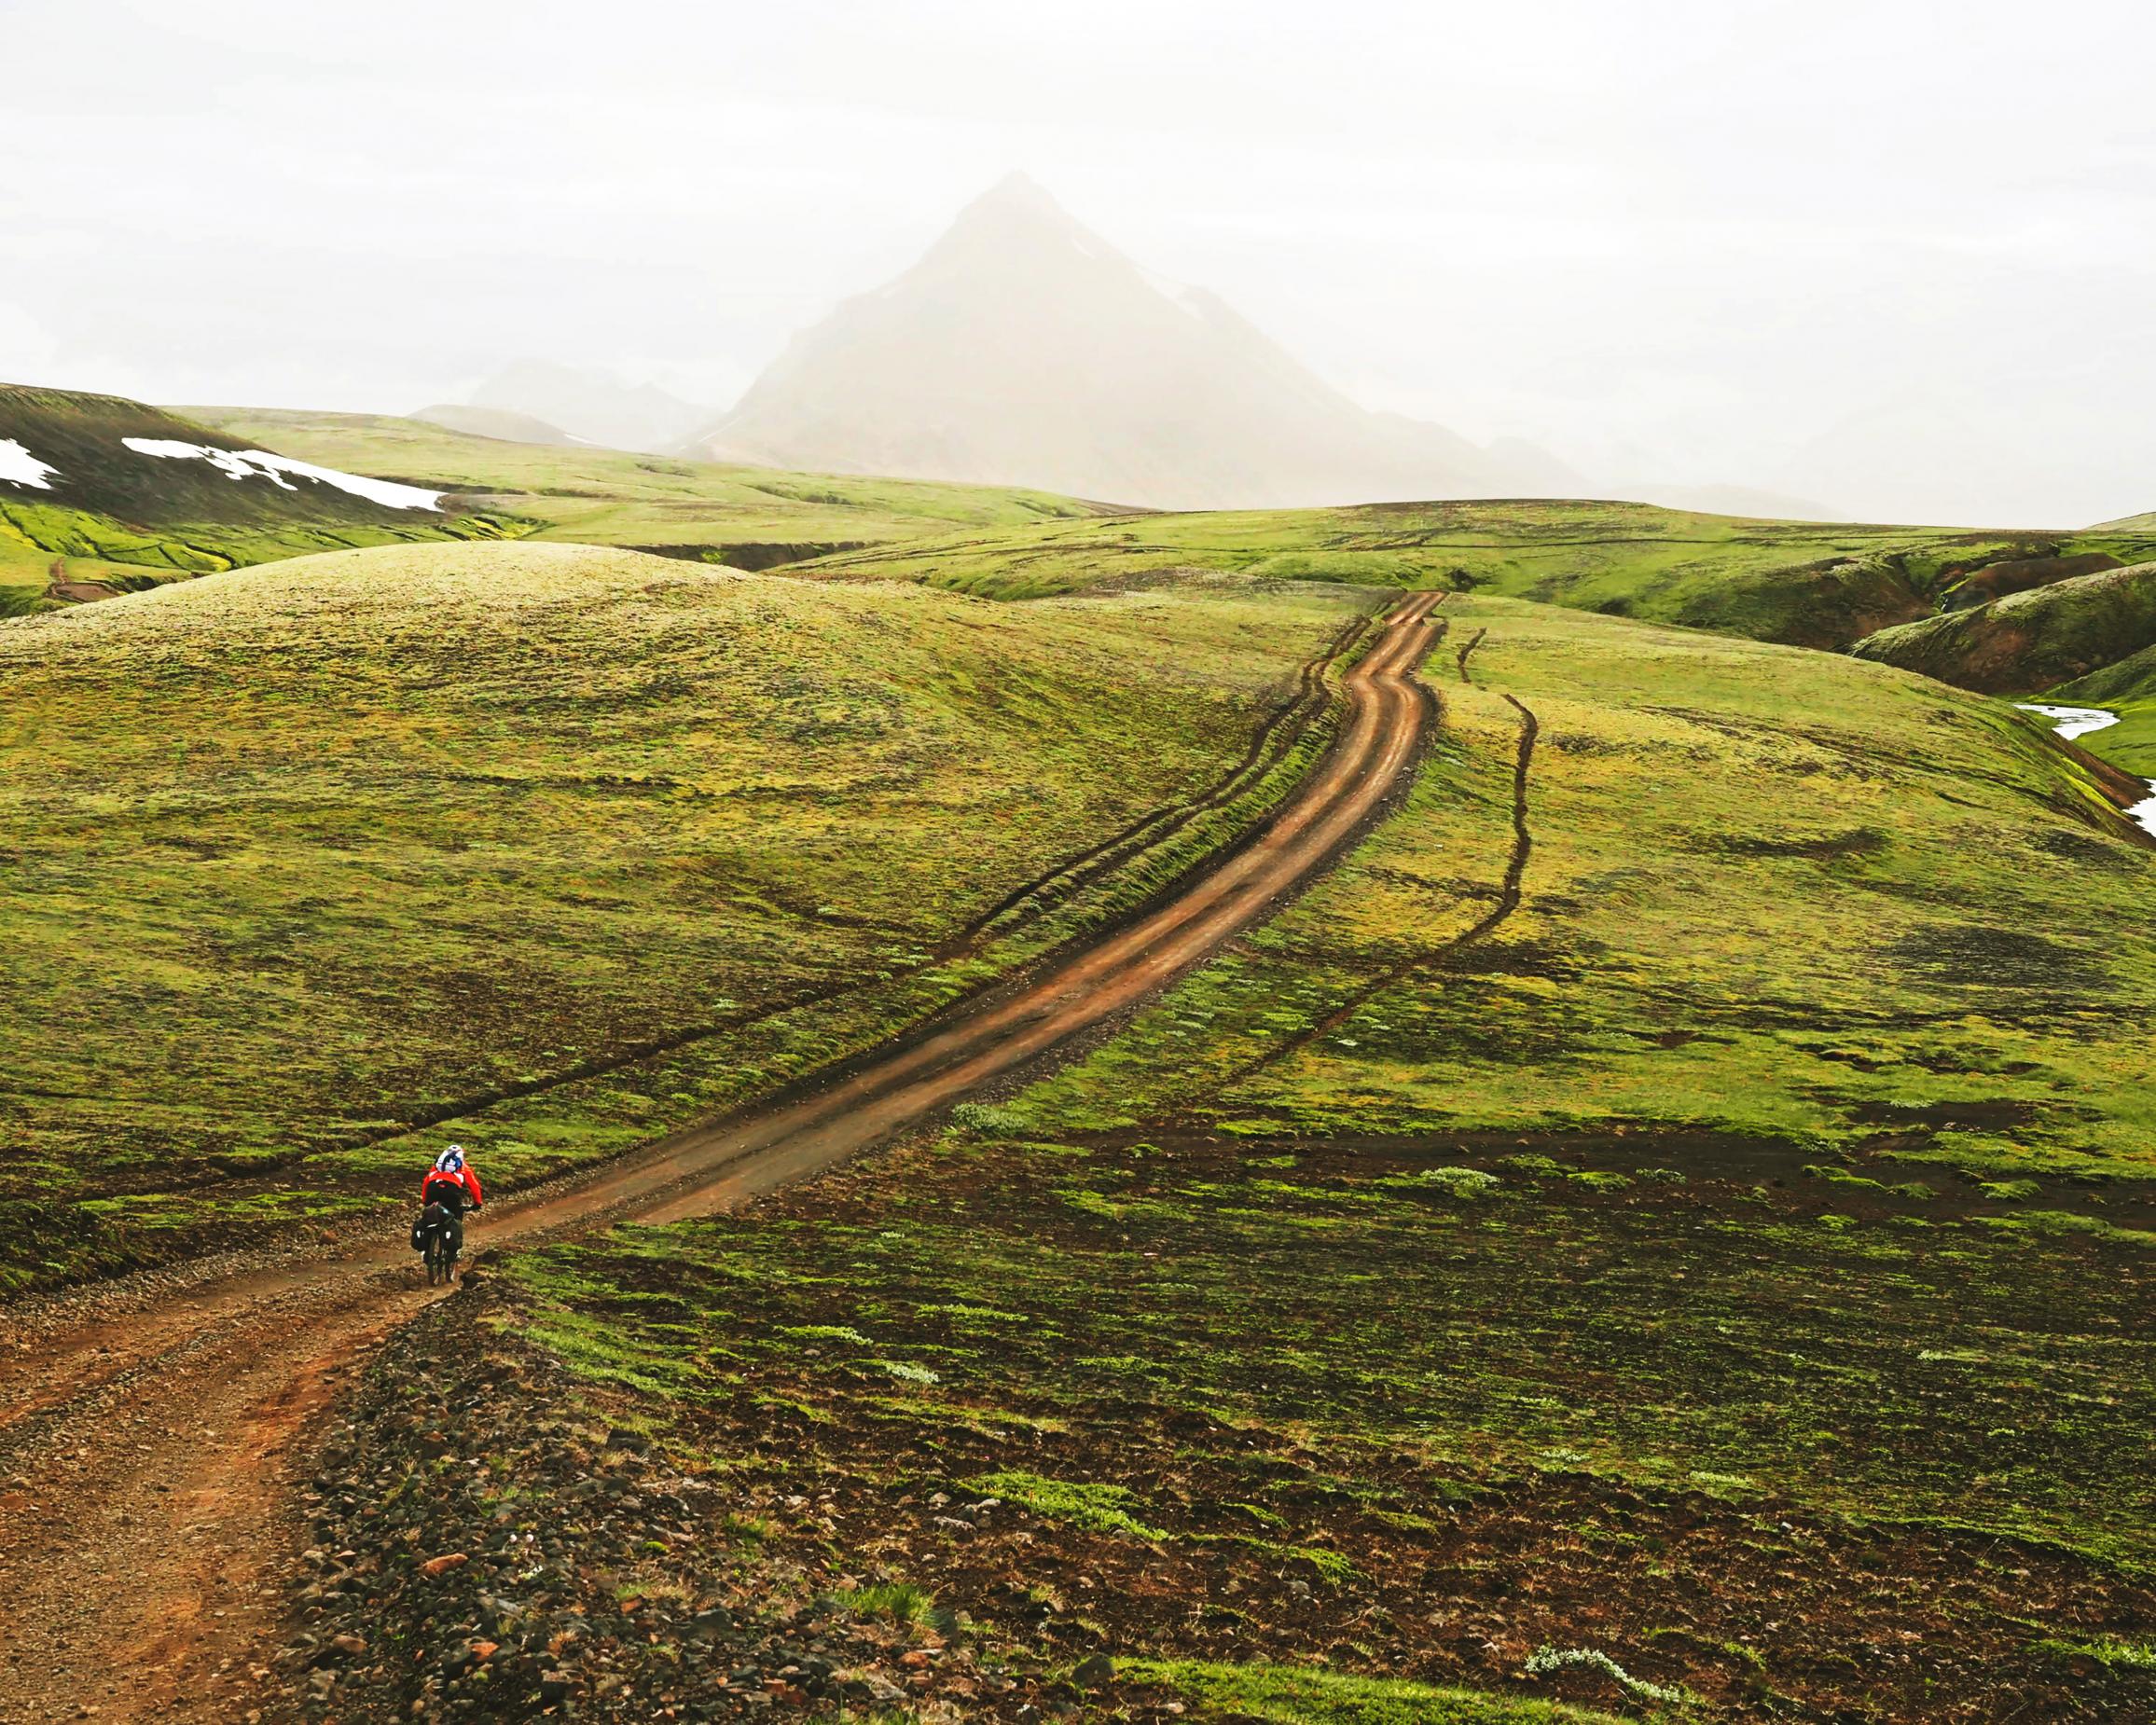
{"points": [[2071, 721]]}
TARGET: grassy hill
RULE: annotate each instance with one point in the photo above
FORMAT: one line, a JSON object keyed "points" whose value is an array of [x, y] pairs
{"points": [[82, 506], [1679, 1196], [748, 518], [1801, 583], [312, 865], [2033, 641], [1804, 584]]}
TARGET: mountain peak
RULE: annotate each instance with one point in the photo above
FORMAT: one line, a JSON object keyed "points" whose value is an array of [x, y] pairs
{"points": [[1023, 349], [1019, 190], [1017, 204]]}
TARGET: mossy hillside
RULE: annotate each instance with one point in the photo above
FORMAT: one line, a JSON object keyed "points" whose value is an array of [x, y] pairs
{"points": [[551, 850], [739, 516], [2033, 641], [1676, 1196], [81, 436], [1796, 905], [1801, 583], [613, 1572], [111, 516]]}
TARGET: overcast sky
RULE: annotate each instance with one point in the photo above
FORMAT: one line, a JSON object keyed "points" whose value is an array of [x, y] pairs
{"points": [[1899, 257]]}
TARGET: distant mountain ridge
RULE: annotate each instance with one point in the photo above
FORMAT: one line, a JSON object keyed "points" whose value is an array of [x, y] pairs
{"points": [[588, 407], [502, 424], [1024, 349]]}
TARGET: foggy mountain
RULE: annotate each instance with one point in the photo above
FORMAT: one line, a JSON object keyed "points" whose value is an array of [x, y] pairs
{"points": [[588, 407], [1023, 350], [504, 424]]}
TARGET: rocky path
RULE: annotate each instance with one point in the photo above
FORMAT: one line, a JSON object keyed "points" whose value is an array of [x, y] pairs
{"points": [[147, 1431]]}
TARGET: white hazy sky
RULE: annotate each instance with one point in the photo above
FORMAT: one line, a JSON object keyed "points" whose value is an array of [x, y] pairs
{"points": [[1899, 257]]}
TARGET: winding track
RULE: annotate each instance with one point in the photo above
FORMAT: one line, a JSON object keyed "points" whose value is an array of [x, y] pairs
{"points": [[143, 1438]]}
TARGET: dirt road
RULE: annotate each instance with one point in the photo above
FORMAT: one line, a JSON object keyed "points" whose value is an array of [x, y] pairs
{"points": [[146, 1535]]}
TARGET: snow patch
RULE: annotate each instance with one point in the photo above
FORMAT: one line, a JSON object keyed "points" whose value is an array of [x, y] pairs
{"points": [[18, 466], [261, 465], [2079, 721], [2072, 721]]}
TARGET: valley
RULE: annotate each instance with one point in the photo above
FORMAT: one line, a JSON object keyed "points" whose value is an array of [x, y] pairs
{"points": [[1636, 1208]]}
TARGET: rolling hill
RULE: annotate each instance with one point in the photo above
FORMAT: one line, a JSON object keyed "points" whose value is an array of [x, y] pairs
{"points": [[556, 843], [1802, 583], [2033, 641], [1683, 1170], [100, 494], [746, 517], [1023, 350], [1799, 583], [144, 465]]}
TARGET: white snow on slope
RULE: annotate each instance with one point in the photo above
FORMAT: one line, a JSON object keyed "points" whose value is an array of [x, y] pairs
{"points": [[2072, 721], [261, 465], [20, 467]]}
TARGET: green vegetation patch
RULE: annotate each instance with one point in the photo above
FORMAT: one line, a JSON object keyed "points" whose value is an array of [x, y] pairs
{"points": [[1303, 1695], [113, 519], [1564, 1414], [1098, 1507], [1622, 1196]]}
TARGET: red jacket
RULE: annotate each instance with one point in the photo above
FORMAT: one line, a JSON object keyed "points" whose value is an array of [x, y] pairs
{"points": [[465, 1178]]}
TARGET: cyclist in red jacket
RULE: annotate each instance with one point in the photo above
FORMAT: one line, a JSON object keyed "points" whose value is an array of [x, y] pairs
{"points": [[451, 1170], [454, 1184]]}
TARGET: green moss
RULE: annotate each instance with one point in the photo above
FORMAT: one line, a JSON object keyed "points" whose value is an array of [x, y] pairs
{"points": [[897, 1601], [1304, 1695], [1097, 1507], [2110, 1652], [2032, 640]]}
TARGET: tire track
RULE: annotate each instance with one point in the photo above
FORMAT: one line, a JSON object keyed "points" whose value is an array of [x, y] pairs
{"points": [[1510, 892], [1472, 642]]}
